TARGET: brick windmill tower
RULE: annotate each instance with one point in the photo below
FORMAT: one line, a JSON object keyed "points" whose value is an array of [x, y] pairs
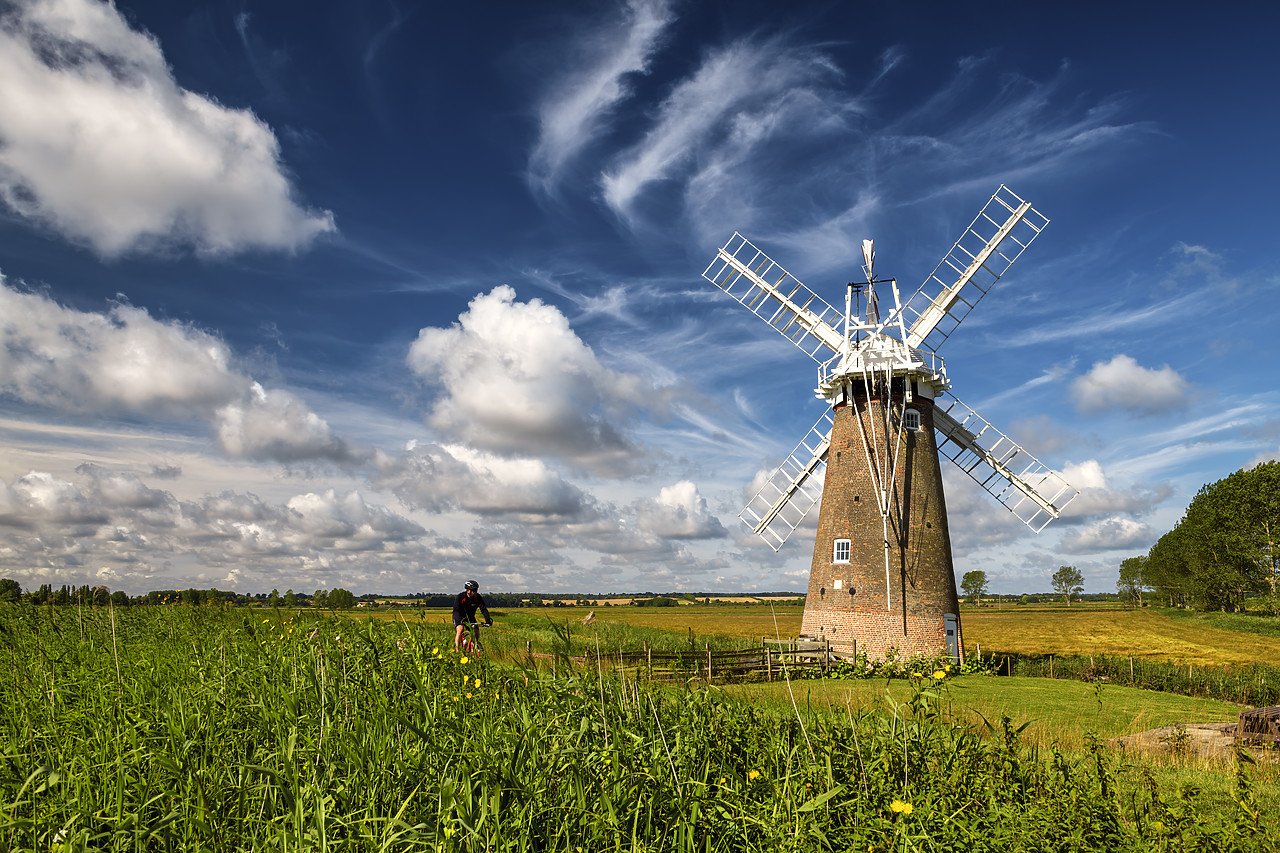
{"points": [[882, 575]]}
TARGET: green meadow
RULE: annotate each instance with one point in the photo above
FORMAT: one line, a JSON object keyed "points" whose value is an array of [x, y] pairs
{"points": [[181, 728]]}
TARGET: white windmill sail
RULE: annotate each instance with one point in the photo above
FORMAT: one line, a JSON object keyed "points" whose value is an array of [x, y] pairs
{"points": [[1033, 492], [793, 489], [1000, 232], [777, 297]]}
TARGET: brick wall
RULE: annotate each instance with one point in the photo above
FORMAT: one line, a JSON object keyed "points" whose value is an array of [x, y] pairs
{"points": [[850, 602]]}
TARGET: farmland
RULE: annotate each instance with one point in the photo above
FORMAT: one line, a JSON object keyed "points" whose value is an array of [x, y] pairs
{"points": [[1029, 629], [179, 728], [1115, 630]]}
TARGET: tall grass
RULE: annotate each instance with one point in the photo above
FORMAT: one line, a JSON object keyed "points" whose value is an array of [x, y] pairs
{"points": [[221, 730]]}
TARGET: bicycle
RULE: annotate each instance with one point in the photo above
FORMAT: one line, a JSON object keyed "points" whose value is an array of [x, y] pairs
{"points": [[471, 641]]}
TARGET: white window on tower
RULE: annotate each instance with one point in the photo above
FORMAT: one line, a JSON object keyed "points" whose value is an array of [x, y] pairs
{"points": [[841, 553], [911, 419]]}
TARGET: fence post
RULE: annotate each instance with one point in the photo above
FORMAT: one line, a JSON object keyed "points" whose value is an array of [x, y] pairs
{"points": [[648, 657], [768, 659], [708, 661]]}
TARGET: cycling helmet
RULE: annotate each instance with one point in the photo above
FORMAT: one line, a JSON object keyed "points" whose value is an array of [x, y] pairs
{"points": [[472, 585]]}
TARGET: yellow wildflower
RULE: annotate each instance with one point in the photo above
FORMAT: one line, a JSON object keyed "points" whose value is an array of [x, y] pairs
{"points": [[915, 675], [477, 682], [436, 650], [938, 675], [753, 775], [900, 807], [464, 659], [468, 695]]}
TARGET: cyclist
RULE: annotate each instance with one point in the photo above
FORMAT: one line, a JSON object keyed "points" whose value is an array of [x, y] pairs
{"points": [[464, 612]]}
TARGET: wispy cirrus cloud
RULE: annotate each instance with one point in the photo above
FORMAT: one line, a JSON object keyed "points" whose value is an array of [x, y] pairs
{"points": [[741, 97], [576, 108], [1113, 317]]}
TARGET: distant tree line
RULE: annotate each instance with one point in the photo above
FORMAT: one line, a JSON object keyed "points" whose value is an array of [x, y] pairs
{"points": [[341, 599], [1226, 548]]}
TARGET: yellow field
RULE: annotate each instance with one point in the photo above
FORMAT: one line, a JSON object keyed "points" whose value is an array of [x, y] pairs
{"points": [[750, 622], [1101, 629]]}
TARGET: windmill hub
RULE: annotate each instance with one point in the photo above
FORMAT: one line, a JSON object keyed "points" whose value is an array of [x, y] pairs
{"points": [[873, 456]]}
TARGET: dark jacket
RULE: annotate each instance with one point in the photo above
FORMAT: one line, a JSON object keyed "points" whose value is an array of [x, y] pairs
{"points": [[464, 609]]}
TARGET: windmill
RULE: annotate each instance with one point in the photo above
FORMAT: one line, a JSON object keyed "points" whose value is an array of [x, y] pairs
{"points": [[882, 575]]}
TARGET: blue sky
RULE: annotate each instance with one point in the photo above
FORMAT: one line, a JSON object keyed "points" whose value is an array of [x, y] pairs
{"points": [[385, 296]]}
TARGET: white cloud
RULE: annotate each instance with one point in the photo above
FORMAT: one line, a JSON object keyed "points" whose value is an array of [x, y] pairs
{"points": [[740, 97], [121, 361], [1109, 534], [1124, 384], [343, 522], [277, 425], [517, 380], [571, 115], [100, 142], [679, 512], [440, 478], [126, 362], [1098, 498], [113, 522]]}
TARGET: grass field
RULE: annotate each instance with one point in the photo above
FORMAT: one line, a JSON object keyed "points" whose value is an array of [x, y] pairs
{"points": [[180, 728], [1060, 713]]}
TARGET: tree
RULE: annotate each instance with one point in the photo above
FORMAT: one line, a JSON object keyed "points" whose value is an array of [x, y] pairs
{"points": [[974, 585], [341, 599], [290, 598], [321, 598], [273, 600], [1067, 581], [1131, 583], [10, 589]]}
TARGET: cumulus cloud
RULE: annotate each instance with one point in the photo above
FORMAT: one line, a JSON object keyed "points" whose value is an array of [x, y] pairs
{"points": [[345, 522], [573, 112], [1123, 384], [517, 380], [38, 497], [1098, 497], [440, 478], [123, 360], [679, 512], [113, 519], [277, 425], [1109, 534], [101, 143], [126, 362]]}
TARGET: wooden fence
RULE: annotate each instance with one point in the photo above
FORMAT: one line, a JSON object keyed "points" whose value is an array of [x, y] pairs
{"points": [[772, 659], [1259, 726]]}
